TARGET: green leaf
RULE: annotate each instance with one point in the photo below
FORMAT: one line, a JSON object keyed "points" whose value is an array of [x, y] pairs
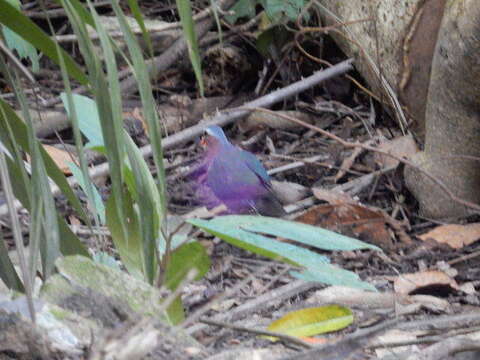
{"points": [[182, 260], [15, 42], [28, 30], [88, 118], [137, 13], [306, 234], [313, 321], [129, 244], [149, 107], [175, 312], [234, 234], [19, 130], [149, 209], [7, 271], [277, 9], [98, 202], [247, 231], [242, 8], [103, 258]]}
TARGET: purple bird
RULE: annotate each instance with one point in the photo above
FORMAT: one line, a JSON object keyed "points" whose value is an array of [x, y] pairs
{"points": [[234, 177]]}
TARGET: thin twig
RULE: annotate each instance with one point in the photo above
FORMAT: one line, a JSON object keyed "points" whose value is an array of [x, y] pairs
{"points": [[224, 118], [349, 144], [281, 336]]}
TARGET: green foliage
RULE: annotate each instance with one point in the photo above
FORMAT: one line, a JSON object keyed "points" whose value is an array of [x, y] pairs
{"points": [[23, 48], [136, 210], [248, 232], [313, 321], [276, 10], [185, 258], [7, 272], [29, 31]]}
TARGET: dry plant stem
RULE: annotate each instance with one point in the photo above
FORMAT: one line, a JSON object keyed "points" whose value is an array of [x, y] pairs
{"points": [[288, 338], [349, 144], [464, 258], [57, 13], [224, 118], [118, 34], [157, 64], [173, 53], [371, 63], [444, 349], [424, 340], [202, 310], [268, 299]]}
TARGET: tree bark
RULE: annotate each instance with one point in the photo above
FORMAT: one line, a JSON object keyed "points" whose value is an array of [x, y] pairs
{"points": [[452, 116], [397, 37]]}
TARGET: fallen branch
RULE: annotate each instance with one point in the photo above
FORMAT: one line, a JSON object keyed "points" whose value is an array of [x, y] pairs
{"points": [[222, 119], [349, 144], [288, 338]]}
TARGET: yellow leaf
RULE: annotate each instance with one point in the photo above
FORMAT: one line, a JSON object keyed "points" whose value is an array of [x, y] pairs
{"points": [[313, 321]]}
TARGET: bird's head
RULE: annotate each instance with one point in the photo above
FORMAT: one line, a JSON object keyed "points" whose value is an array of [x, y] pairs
{"points": [[214, 137]]}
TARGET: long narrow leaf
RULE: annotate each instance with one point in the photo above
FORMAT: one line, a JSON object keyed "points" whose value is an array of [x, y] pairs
{"points": [[148, 207], [41, 198], [136, 12], [28, 30], [188, 25], [7, 271], [11, 120], [259, 244], [148, 102]]}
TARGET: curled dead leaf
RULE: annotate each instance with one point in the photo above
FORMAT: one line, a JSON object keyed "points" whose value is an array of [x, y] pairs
{"points": [[61, 158], [425, 281], [404, 147], [457, 236]]}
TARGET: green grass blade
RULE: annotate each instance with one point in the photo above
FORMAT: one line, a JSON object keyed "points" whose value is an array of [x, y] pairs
{"points": [[8, 274], [188, 25], [10, 120], [148, 102], [137, 14], [148, 208]]}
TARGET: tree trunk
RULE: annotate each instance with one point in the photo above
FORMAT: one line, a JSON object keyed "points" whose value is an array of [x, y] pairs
{"points": [[427, 50], [452, 116]]}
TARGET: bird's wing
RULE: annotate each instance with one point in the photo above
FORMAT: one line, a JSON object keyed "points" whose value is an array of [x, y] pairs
{"points": [[256, 166]]}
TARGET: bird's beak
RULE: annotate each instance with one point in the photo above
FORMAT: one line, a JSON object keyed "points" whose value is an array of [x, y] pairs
{"points": [[203, 141]]}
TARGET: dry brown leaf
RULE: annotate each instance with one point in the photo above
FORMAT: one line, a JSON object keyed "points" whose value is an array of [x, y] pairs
{"points": [[333, 197], [352, 220], [404, 147], [457, 236], [60, 157], [407, 283]]}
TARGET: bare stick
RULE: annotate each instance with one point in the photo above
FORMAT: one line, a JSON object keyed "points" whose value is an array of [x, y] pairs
{"points": [[222, 119], [289, 338], [349, 144]]}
